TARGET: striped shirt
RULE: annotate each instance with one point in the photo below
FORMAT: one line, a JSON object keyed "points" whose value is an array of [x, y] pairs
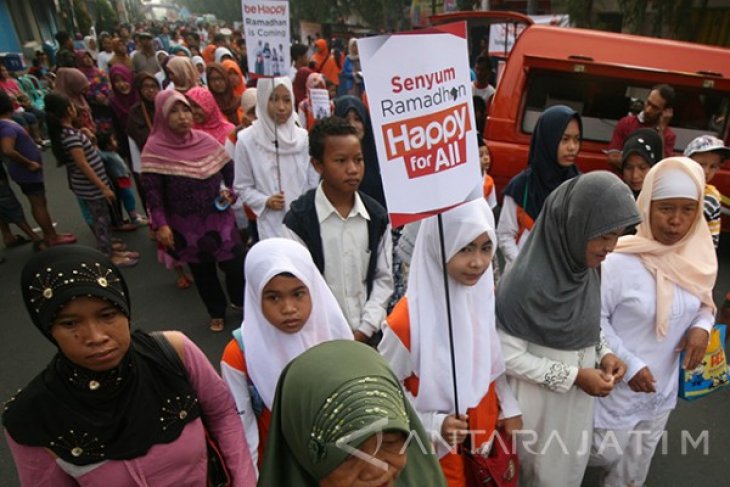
{"points": [[712, 212], [81, 185]]}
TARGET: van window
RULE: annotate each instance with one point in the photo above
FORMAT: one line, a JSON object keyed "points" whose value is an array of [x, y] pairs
{"points": [[602, 101]]}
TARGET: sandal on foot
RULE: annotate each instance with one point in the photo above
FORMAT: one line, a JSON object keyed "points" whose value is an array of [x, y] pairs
{"points": [[62, 239], [183, 282], [127, 253], [124, 261], [217, 324]]}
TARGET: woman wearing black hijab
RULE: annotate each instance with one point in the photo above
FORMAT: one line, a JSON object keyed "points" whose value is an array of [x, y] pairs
{"points": [[553, 150], [114, 407]]}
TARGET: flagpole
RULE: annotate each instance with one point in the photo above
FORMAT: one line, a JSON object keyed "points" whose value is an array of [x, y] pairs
{"points": [[448, 313]]}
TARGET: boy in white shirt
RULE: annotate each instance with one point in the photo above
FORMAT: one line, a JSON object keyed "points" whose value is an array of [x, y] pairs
{"points": [[346, 231]]}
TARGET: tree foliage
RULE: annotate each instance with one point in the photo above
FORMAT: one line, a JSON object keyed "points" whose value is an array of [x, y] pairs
{"points": [[674, 19], [228, 10]]}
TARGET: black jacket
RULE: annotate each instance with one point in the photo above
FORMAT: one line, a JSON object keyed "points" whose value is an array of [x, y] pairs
{"points": [[302, 219]]}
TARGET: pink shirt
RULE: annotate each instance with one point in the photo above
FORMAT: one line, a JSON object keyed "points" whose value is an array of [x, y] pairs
{"points": [[179, 463], [11, 87]]}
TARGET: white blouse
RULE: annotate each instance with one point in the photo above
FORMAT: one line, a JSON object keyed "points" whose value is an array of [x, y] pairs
{"points": [[628, 320], [507, 230]]}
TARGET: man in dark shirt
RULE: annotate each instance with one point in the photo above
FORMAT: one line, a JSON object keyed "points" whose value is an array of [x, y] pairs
{"points": [[65, 57]]}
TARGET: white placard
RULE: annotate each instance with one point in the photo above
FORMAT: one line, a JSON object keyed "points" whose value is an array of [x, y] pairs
{"points": [[420, 99], [266, 28], [319, 100]]}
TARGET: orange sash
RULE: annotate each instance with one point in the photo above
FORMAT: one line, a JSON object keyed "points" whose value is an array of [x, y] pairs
{"points": [[233, 356]]}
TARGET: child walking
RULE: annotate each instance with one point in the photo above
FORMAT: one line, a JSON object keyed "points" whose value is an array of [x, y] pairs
{"points": [[346, 231], [289, 309], [416, 338], [272, 160], [86, 174], [120, 176], [710, 152]]}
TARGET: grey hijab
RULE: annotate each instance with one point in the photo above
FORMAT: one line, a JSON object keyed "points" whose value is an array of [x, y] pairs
{"points": [[549, 297]]}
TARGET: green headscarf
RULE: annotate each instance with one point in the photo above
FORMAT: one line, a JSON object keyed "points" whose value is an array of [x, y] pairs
{"points": [[328, 396]]}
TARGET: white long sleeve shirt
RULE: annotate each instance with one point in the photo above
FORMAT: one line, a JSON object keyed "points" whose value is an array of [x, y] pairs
{"points": [[508, 229], [257, 179], [346, 260], [399, 359], [628, 320]]}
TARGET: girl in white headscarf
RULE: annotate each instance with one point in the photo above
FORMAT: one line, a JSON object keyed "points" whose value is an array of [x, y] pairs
{"points": [[91, 47], [272, 157], [289, 309], [416, 338], [656, 301], [199, 65]]}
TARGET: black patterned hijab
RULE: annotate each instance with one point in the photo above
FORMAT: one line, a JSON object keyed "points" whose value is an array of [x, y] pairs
{"points": [[84, 416]]}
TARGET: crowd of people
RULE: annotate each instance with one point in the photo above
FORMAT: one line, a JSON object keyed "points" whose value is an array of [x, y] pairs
{"points": [[341, 372]]}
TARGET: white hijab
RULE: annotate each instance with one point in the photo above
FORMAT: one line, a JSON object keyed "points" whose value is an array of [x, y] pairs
{"points": [[291, 138], [476, 347], [220, 52], [267, 349]]}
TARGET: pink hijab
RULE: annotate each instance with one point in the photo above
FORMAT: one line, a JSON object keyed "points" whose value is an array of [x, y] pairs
{"points": [[690, 263], [194, 155], [216, 124]]}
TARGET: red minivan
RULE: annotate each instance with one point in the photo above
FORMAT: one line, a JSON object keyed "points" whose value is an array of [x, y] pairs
{"points": [[599, 74]]}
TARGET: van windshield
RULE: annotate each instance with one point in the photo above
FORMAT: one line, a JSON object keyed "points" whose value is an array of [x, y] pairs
{"points": [[602, 101]]}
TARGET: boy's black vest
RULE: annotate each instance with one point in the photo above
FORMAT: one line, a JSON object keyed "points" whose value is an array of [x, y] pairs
{"points": [[302, 220]]}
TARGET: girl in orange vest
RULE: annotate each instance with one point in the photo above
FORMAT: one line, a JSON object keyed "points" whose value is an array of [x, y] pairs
{"points": [[416, 340], [289, 309]]}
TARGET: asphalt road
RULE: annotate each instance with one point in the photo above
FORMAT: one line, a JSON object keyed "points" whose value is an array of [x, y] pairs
{"points": [[158, 305]]}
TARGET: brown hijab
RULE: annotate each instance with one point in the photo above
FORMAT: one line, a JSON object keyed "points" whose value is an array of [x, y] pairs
{"points": [[228, 102]]}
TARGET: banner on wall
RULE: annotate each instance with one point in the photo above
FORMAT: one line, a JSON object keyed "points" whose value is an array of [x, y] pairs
{"points": [[266, 29], [420, 99]]}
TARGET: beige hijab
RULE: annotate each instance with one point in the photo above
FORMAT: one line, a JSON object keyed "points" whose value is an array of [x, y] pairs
{"points": [[691, 263]]}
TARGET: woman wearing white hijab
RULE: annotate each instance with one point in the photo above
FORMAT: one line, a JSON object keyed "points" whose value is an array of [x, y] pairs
{"points": [[199, 64], [253, 361], [272, 157], [223, 53], [416, 338], [656, 300], [549, 318]]}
